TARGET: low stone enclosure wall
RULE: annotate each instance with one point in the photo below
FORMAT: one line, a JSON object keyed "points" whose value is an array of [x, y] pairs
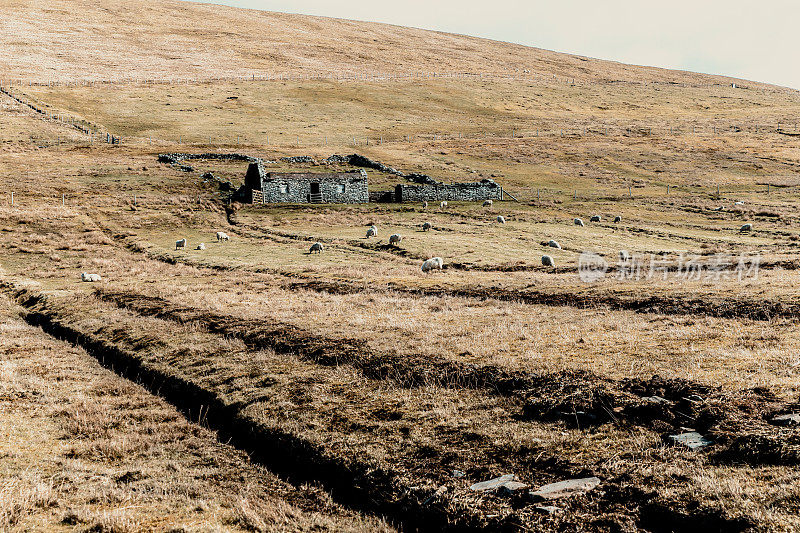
{"points": [[454, 192]]}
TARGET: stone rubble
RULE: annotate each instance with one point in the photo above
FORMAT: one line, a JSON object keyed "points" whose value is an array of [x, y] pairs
{"points": [[505, 484], [562, 489], [692, 440]]}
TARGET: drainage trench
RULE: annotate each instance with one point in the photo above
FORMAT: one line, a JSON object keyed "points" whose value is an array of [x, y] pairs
{"points": [[357, 485]]}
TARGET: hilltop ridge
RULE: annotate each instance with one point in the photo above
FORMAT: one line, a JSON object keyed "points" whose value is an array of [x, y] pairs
{"points": [[100, 39]]}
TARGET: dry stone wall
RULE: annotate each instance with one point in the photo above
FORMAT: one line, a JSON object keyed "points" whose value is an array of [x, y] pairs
{"points": [[455, 192]]}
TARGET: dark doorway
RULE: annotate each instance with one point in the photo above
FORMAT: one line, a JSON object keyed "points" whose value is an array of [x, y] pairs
{"points": [[314, 196]]}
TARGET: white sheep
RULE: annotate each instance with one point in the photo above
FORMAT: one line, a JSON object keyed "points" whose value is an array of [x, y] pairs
{"points": [[395, 239], [487, 203], [595, 218], [90, 278], [372, 231], [578, 222], [434, 263], [547, 261], [443, 204], [617, 219], [500, 219], [316, 248], [746, 227], [222, 236], [554, 244], [181, 244], [738, 203], [624, 255], [426, 226], [201, 246], [425, 204]]}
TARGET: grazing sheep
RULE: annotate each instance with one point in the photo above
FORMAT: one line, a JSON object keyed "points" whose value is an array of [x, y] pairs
{"points": [[316, 248], [443, 204], [372, 231], [425, 204], [434, 263], [738, 203], [487, 203], [578, 222], [746, 227], [90, 277], [595, 218], [395, 238], [617, 219], [201, 246], [180, 244], [554, 244], [624, 255], [426, 226], [500, 219], [548, 261], [222, 236]]}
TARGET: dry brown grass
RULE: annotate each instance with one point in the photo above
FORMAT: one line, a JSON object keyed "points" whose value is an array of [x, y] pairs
{"points": [[73, 430], [85, 448], [108, 40]]}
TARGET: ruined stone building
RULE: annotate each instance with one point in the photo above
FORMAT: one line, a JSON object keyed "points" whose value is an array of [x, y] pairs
{"points": [[304, 187], [453, 192]]}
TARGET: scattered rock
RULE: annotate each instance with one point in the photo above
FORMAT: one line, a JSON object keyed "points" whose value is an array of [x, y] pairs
{"points": [[791, 419], [458, 473], [563, 489], [508, 489], [657, 400], [692, 440], [547, 509], [505, 484]]}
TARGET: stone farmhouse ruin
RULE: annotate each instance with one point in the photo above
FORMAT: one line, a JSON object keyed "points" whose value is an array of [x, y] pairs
{"points": [[350, 187], [262, 187], [453, 192]]}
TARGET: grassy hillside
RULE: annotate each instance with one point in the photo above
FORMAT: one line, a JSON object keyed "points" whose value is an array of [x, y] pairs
{"points": [[373, 390], [101, 39]]}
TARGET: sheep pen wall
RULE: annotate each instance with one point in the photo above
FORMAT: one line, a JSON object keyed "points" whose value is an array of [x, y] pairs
{"points": [[456, 192]]}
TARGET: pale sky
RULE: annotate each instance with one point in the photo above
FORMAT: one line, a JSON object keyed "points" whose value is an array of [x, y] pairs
{"points": [[739, 38]]}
